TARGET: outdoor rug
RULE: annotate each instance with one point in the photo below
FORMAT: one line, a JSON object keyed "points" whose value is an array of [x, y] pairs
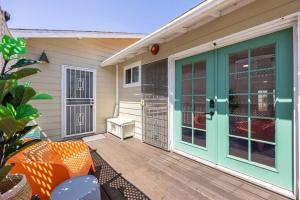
{"points": [[112, 183]]}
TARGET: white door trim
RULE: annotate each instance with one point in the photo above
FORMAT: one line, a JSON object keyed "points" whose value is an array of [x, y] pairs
{"points": [[63, 98], [292, 20]]}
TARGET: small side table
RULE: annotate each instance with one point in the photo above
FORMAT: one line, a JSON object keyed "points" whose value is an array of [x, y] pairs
{"points": [[81, 187]]}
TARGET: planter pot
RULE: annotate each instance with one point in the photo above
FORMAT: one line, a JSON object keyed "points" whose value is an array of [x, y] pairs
{"points": [[15, 187]]}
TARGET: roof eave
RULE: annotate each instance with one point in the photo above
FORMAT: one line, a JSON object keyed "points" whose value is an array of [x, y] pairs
{"points": [[175, 28], [37, 33]]}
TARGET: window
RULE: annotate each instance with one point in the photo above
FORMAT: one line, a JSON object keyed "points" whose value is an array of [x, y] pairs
{"points": [[132, 75]]}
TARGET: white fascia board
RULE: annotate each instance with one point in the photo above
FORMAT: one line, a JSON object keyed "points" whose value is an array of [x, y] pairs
{"points": [[31, 33]]}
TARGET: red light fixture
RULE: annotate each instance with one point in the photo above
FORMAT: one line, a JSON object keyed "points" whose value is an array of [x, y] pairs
{"points": [[154, 49]]}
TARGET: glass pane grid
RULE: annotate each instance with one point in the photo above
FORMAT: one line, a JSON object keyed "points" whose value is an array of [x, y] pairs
{"points": [[251, 106], [193, 104]]}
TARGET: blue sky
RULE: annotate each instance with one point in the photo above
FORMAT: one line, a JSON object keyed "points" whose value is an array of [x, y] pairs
{"points": [[140, 16]]}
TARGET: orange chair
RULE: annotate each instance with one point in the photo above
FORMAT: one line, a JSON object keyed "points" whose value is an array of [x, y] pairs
{"points": [[47, 164]]}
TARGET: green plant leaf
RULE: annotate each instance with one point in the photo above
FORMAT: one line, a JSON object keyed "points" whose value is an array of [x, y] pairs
{"points": [[12, 46], [5, 170], [24, 62], [42, 96], [24, 73], [5, 86], [8, 125], [11, 109], [5, 112], [22, 94], [5, 38], [26, 110]]}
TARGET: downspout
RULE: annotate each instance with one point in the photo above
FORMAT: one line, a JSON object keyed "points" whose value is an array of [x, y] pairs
{"points": [[116, 113]]}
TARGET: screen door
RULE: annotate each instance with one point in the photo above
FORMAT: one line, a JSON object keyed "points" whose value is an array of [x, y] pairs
{"points": [[155, 106], [79, 99]]}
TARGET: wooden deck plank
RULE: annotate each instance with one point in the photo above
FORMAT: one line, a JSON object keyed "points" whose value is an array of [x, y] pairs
{"points": [[165, 175]]}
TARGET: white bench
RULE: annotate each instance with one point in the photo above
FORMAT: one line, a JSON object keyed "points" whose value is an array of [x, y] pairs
{"points": [[120, 127]]}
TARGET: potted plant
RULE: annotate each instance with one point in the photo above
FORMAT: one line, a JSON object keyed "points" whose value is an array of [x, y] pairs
{"points": [[15, 114]]}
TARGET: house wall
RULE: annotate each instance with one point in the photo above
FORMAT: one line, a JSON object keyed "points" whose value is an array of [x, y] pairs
{"points": [[253, 14], [3, 30], [74, 52], [130, 106]]}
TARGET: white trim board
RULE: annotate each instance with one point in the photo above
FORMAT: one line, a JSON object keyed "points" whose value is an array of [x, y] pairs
{"points": [[63, 99], [292, 20], [48, 33]]}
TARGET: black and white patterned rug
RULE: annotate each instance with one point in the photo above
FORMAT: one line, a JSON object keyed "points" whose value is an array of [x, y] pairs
{"points": [[112, 183]]}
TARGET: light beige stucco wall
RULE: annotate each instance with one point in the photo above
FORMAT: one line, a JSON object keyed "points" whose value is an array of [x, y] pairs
{"points": [[74, 52], [258, 12]]}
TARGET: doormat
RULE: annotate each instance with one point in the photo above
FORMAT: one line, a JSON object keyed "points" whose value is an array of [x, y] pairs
{"points": [[93, 138], [113, 183]]}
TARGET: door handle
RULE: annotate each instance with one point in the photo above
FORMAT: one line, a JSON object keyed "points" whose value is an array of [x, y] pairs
{"points": [[211, 113]]}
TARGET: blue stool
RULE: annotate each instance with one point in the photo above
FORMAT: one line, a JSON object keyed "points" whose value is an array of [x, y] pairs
{"points": [[81, 187]]}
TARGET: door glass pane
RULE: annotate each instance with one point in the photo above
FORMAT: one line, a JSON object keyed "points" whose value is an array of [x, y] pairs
{"points": [[200, 138], [187, 71], [263, 81], [238, 126], [263, 153], [186, 87], [263, 129], [263, 105], [200, 69], [200, 121], [238, 147], [186, 135], [199, 103], [238, 104], [186, 103], [199, 86], [263, 57], [186, 118], [238, 62], [238, 83]]}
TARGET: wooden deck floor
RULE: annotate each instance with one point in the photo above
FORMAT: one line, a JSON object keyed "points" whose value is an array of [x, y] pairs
{"points": [[164, 175]]}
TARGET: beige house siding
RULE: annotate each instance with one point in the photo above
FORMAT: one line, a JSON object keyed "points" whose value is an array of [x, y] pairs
{"points": [[130, 106], [80, 53], [3, 30], [256, 13]]}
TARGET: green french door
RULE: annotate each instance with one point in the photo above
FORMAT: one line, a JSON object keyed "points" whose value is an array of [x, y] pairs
{"points": [[194, 116], [249, 129]]}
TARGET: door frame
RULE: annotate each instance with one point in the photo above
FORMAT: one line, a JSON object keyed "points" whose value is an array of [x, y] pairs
{"points": [[63, 98], [282, 23]]}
